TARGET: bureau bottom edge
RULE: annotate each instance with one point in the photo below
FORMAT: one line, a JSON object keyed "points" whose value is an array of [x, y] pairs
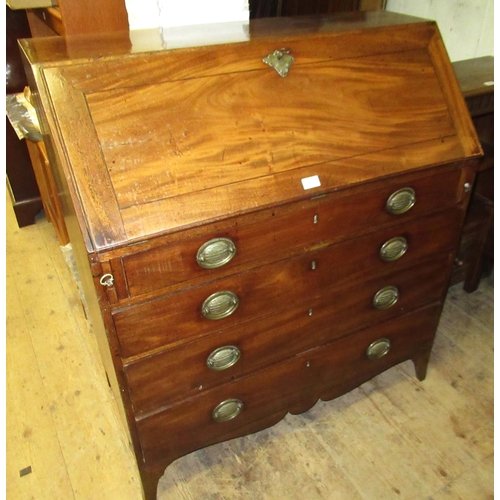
{"points": [[292, 386]]}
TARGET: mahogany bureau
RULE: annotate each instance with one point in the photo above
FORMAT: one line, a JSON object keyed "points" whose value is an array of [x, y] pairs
{"points": [[258, 224]]}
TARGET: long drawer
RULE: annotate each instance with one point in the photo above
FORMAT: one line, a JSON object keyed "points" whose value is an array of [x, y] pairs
{"points": [[152, 381], [190, 425], [280, 232], [279, 285]]}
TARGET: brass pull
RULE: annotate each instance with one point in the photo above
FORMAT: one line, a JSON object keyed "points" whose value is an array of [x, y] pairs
{"points": [[107, 280], [401, 201], [223, 358], [215, 253], [393, 249], [220, 305], [386, 297], [227, 410], [378, 349], [281, 60]]}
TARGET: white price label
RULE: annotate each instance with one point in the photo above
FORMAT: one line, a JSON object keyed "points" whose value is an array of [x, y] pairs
{"points": [[311, 182]]}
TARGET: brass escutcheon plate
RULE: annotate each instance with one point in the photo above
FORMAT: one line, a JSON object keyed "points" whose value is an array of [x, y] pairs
{"points": [[281, 60]]}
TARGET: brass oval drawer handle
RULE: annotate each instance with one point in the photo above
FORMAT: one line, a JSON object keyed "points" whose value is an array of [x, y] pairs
{"points": [[393, 249], [220, 305], [223, 358], [378, 349], [401, 201], [227, 410], [215, 253], [386, 297]]}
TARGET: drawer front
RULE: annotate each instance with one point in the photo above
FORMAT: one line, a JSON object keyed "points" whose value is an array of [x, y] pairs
{"points": [[316, 373], [276, 337], [286, 230], [277, 286]]}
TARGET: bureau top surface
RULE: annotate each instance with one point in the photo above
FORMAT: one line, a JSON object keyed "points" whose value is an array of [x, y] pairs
{"points": [[156, 141]]}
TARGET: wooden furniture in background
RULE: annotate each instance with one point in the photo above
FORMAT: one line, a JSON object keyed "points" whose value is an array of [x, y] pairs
{"points": [[76, 17], [475, 255], [278, 8], [21, 182], [68, 17], [48, 189], [250, 242]]}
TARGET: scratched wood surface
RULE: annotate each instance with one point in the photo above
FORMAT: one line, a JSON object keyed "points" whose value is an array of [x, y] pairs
{"points": [[392, 438], [219, 130]]}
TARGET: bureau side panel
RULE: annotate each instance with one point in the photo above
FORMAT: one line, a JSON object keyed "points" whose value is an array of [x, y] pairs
{"points": [[86, 260]]}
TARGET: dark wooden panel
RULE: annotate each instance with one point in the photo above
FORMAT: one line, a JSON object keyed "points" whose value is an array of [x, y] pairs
{"points": [[21, 179], [272, 8], [475, 258], [17, 27], [23, 188], [301, 7]]}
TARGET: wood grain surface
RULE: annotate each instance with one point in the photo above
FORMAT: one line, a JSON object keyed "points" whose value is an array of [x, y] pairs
{"points": [[201, 133], [166, 140]]}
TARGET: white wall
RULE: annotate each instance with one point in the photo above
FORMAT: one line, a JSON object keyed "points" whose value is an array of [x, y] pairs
{"points": [[143, 14], [465, 25], [186, 23]]}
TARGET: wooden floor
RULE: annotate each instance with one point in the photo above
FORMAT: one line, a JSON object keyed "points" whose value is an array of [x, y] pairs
{"points": [[392, 438]]}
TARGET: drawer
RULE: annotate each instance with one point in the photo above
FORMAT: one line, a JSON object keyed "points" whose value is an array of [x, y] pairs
{"points": [[276, 337], [275, 234], [277, 286], [275, 390]]}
